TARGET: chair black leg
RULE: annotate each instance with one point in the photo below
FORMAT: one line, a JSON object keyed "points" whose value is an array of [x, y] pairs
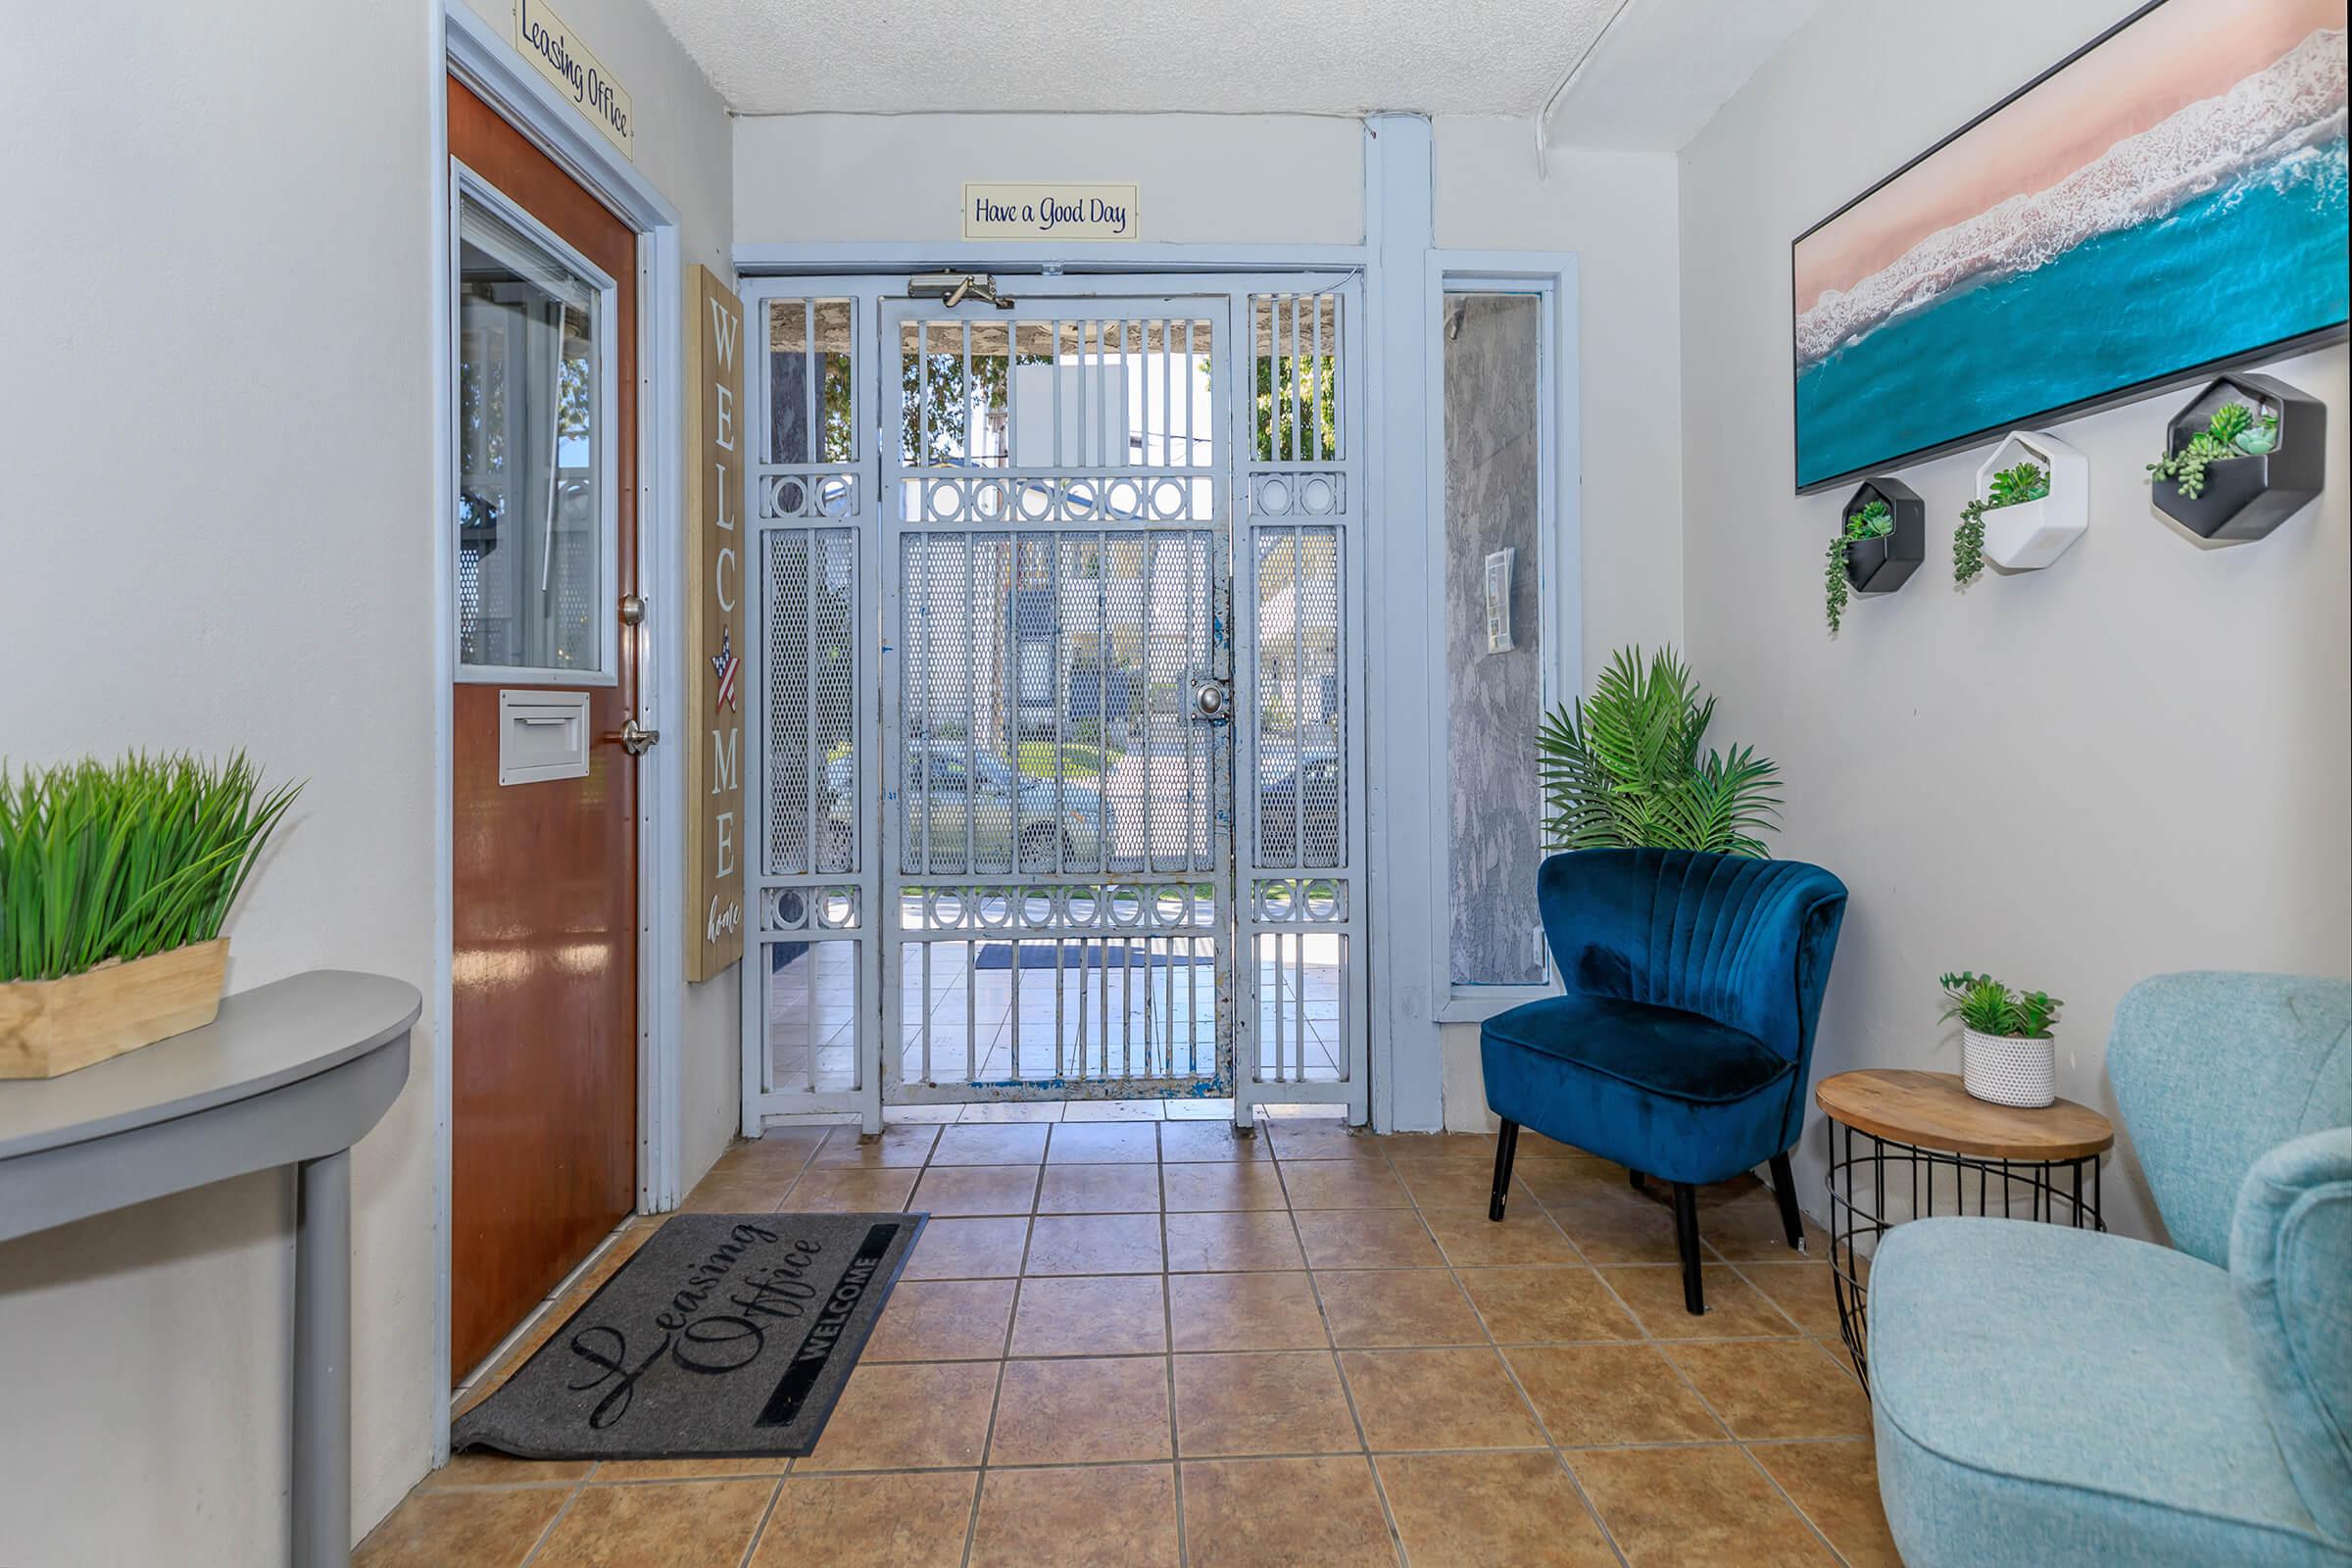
{"points": [[1686, 1236], [1783, 1188], [1506, 1148]]}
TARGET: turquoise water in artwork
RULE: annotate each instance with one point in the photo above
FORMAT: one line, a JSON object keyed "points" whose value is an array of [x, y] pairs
{"points": [[2258, 261]]}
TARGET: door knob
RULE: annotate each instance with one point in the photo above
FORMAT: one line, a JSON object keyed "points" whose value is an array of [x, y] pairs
{"points": [[635, 739], [1210, 699], [632, 610]]}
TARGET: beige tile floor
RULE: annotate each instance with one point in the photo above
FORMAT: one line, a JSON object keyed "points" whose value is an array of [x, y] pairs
{"points": [[1134, 1344]]}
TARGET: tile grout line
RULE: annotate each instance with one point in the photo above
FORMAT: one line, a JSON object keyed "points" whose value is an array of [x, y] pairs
{"points": [[1138, 1464], [751, 1547], [996, 1392], [1453, 1271], [1166, 1274], [1717, 1416], [1781, 1493], [1130, 1464], [1167, 1307], [547, 1531], [1659, 1347], [1543, 1428], [1380, 1491]]}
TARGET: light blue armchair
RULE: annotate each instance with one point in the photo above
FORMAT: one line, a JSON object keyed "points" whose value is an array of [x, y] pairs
{"points": [[2048, 1397]]}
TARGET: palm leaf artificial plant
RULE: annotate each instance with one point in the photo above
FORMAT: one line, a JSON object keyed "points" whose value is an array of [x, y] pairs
{"points": [[1624, 767]]}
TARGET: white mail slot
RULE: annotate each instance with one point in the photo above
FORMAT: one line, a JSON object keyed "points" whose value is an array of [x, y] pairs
{"points": [[542, 736]]}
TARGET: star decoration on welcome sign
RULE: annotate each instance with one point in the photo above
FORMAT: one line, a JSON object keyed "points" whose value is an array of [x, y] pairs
{"points": [[727, 667]]}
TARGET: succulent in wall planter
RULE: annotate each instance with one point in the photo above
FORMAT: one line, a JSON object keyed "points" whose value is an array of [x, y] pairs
{"points": [[115, 882], [2008, 1057], [2244, 455], [2033, 502], [1881, 540]]}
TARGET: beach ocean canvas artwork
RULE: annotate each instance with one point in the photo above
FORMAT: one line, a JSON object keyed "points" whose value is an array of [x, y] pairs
{"points": [[2172, 198]]}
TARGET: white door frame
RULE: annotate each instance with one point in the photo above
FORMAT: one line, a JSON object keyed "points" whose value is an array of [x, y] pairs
{"points": [[1398, 171], [826, 271], [1123, 299], [470, 49], [859, 928], [1551, 278]]}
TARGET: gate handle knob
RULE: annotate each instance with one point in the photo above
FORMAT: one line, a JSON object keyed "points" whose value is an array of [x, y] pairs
{"points": [[635, 739], [1210, 700]]}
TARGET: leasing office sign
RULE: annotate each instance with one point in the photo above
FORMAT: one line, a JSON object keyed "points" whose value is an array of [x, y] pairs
{"points": [[715, 356], [547, 43]]}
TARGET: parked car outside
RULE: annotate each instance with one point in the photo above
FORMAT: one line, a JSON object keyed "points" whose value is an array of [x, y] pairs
{"points": [[1311, 787], [948, 790]]}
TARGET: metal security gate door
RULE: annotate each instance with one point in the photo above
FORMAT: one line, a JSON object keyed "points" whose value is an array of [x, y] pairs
{"points": [[1058, 758], [1056, 692]]}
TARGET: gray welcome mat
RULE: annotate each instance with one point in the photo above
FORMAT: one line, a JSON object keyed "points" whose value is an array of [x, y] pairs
{"points": [[726, 1336]]}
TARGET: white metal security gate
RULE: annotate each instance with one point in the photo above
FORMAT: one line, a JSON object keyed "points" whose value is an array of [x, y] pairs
{"points": [[1003, 853]]}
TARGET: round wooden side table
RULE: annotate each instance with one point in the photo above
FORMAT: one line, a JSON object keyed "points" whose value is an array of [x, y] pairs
{"points": [[1918, 1141]]}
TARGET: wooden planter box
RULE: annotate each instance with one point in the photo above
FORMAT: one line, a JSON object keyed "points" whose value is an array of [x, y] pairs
{"points": [[49, 1027]]}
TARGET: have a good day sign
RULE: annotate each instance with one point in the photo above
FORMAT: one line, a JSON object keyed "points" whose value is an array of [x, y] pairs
{"points": [[1048, 211]]}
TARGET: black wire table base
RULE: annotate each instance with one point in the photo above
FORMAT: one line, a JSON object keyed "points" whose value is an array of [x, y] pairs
{"points": [[1860, 1183]]}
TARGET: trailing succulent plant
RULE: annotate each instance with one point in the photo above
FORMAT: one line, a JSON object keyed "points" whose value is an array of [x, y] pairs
{"points": [[2234, 431], [2026, 481], [1874, 522]]}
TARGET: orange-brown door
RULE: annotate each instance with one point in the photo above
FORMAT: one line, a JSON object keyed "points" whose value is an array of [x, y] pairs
{"points": [[544, 1092]]}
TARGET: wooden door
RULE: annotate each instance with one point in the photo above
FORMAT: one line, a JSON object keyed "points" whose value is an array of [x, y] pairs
{"points": [[544, 1090]]}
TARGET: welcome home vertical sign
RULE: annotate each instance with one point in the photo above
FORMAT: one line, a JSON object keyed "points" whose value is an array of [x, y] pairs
{"points": [[714, 562]]}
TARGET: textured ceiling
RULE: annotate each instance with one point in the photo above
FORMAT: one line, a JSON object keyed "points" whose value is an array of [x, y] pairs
{"points": [[1661, 74], [1454, 57]]}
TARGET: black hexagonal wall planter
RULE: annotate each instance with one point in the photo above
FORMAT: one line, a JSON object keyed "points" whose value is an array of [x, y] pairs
{"points": [[1882, 565], [2245, 498]]}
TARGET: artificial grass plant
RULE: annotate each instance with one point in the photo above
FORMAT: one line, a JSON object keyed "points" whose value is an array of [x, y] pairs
{"points": [[120, 861]]}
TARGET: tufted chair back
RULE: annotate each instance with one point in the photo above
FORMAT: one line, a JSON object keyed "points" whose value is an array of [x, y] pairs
{"points": [[1745, 942]]}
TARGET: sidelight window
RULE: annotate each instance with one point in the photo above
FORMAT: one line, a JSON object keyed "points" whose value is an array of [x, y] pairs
{"points": [[533, 558], [1494, 450]]}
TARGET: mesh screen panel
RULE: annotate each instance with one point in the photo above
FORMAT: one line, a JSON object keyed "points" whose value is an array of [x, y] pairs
{"points": [[1300, 706], [809, 597]]}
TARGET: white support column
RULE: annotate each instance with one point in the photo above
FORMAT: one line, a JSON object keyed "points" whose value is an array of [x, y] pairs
{"points": [[1407, 716]]}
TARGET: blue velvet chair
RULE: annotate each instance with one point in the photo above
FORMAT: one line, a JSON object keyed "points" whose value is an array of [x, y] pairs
{"points": [[1682, 1046], [2048, 1398]]}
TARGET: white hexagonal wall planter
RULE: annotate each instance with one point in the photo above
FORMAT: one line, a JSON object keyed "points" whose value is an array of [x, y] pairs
{"points": [[2031, 534]]}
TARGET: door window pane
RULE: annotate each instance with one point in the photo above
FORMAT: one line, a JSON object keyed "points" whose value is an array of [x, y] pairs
{"points": [[530, 553], [811, 415], [1494, 674]]}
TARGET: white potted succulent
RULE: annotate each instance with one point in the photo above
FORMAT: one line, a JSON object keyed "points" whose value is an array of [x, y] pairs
{"points": [[2033, 502], [2007, 1053]]}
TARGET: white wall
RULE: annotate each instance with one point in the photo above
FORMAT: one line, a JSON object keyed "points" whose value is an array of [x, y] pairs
{"points": [[832, 178], [1260, 179], [216, 426], [2131, 762], [1617, 211], [216, 537]]}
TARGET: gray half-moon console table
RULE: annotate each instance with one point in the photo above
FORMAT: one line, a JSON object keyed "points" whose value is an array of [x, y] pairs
{"points": [[289, 1074]]}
